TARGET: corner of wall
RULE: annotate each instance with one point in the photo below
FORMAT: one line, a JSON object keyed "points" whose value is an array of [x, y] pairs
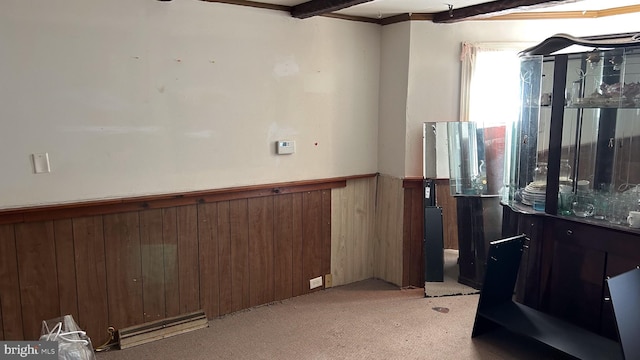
{"points": [[389, 229]]}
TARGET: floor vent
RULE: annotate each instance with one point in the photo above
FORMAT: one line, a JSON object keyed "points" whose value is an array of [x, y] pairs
{"points": [[160, 329]]}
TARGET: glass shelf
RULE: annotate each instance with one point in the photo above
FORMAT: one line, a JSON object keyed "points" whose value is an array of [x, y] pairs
{"points": [[590, 104], [585, 130]]}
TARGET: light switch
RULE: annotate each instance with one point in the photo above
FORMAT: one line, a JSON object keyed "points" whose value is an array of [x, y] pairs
{"points": [[41, 163], [284, 147]]}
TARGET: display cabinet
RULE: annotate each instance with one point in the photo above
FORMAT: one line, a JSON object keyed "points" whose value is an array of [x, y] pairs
{"points": [[467, 162], [572, 175], [575, 150], [475, 175]]}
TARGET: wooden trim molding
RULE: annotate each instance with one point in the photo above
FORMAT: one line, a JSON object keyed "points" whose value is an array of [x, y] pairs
{"points": [[406, 17], [289, 9], [411, 182], [320, 7], [111, 206], [491, 8], [255, 4], [445, 16], [394, 19], [590, 14], [619, 10], [351, 18]]}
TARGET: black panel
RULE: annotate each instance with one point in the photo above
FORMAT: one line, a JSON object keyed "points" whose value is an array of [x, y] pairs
{"points": [[496, 308], [625, 296], [555, 133], [502, 270], [433, 244]]}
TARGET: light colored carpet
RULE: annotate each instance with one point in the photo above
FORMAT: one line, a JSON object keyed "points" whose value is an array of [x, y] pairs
{"points": [[450, 286], [370, 319]]}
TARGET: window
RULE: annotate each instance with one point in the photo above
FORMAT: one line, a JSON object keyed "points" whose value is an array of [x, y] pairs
{"points": [[490, 83]]}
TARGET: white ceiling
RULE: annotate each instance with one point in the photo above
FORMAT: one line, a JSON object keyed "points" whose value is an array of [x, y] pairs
{"points": [[386, 8]]}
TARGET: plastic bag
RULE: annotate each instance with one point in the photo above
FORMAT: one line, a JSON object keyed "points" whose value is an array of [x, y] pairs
{"points": [[73, 343]]}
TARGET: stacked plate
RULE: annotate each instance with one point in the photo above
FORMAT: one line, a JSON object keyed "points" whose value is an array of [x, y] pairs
{"points": [[534, 191]]}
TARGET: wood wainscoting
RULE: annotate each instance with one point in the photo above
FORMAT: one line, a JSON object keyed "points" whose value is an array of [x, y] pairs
{"points": [[353, 231], [413, 233], [388, 242], [413, 227], [124, 262]]}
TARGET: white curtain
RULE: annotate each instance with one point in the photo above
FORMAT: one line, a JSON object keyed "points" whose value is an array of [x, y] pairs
{"points": [[488, 81], [468, 59]]}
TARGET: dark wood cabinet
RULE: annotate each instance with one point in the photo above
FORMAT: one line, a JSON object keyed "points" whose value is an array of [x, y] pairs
{"points": [[565, 264], [479, 223], [515, 223], [571, 181], [576, 284]]}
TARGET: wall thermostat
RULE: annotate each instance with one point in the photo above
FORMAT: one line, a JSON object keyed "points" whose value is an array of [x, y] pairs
{"points": [[284, 147]]}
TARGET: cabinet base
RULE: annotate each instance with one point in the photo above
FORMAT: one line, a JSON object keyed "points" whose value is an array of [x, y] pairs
{"points": [[470, 282]]}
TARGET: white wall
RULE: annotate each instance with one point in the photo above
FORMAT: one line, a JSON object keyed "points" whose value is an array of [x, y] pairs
{"points": [[393, 98], [146, 97], [133, 98], [434, 65]]}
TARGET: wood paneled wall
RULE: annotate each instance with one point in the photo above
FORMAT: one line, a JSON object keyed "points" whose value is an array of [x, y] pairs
{"points": [[361, 229], [220, 253], [413, 234], [353, 231], [125, 268], [413, 227], [398, 248], [388, 244]]}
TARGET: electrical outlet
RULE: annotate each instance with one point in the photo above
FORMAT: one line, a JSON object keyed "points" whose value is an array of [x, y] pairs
{"points": [[315, 282], [328, 281]]}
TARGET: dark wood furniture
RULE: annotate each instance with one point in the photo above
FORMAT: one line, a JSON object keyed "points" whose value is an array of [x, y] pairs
{"points": [[479, 223], [574, 153], [497, 308], [566, 263], [583, 138]]}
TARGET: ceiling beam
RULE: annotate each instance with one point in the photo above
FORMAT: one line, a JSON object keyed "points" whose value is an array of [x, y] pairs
{"points": [[250, 3], [498, 7], [319, 7]]}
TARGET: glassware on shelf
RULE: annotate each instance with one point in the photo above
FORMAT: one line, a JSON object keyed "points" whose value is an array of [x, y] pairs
{"points": [[618, 210], [608, 170], [634, 219], [633, 198], [582, 205], [565, 200], [479, 181], [573, 93], [621, 204], [601, 205], [540, 173], [602, 200], [565, 172], [538, 204]]}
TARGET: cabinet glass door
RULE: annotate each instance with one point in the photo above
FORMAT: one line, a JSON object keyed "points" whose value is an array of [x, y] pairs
{"points": [[467, 165], [600, 154], [527, 138]]}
